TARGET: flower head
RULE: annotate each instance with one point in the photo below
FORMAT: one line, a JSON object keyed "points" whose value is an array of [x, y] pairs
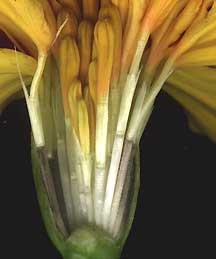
{"points": [[95, 69]]}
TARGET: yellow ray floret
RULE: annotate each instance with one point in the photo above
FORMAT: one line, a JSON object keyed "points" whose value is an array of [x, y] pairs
{"points": [[111, 13], [71, 26], [55, 6], [92, 78], [197, 31], [104, 3], [131, 32], [184, 20], [172, 29], [195, 90], [206, 40], [73, 4], [23, 42], [90, 9], [83, 125], [159, 33], [123, 6], [9, 78], [206, 5], [34, 18], [74, 96], [157, 12], [69, 63], [91, 116], [210, 37], [8, 64], [104, 38], [205, 56], [85, 39]]}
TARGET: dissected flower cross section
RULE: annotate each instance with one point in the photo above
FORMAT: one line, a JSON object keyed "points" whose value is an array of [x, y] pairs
{"points": [[95, 69]]}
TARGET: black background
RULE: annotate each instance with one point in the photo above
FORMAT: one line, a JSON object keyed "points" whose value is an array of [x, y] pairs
{"points": [[175, 216]]}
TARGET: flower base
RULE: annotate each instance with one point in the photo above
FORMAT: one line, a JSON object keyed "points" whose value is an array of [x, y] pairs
{"points": [[83, 241], [91, 243]]}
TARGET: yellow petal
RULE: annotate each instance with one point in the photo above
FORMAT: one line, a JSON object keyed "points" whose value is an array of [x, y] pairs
{"points": [[115, 2], [84, 133], [94, 50], [23, 42], [73, 4], [191, 27], [91, 115], [104, 38], [34, 17], [204, 118], [10, 83], [195, 90], [55, 6], [69, 63], [85, 39], [112, 14], [10, 91], [184, 20], [162, 36], [8, 63], [92, 78], [131, 32], [74, 96], [104, 3], [71, 27], [201, 16], [209, 39], [123, 6], [90, 9], [195, 33], [159, 33], [198, 82], [206, 4], [157, 12], [205, 56]]}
